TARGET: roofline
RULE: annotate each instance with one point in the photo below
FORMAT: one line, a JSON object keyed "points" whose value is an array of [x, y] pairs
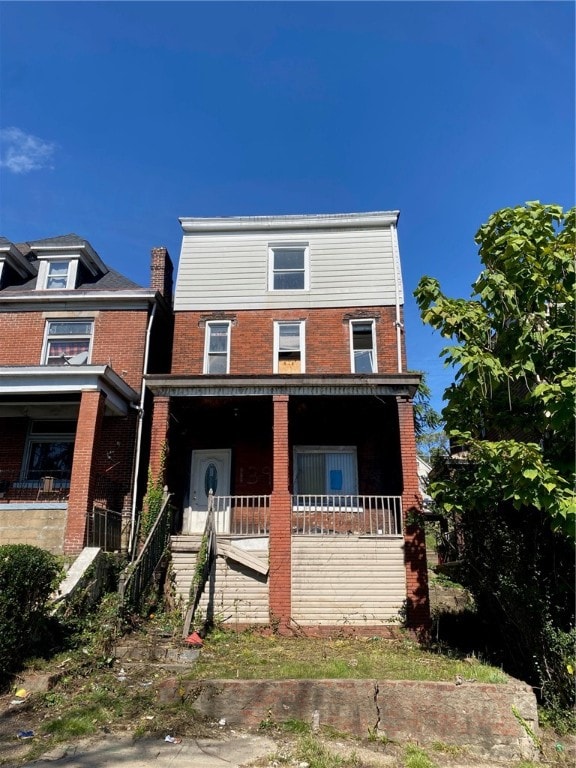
{"points": [[369, 219], [52, 298], [89, 254], [42, 379], [238, 386]]}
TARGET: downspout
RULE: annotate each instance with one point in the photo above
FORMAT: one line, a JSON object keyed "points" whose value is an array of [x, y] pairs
{"points": [[139, 433], [397, 321]]}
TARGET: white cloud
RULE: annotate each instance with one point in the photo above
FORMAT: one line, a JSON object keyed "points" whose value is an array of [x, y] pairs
{"points": [[21, 152]]}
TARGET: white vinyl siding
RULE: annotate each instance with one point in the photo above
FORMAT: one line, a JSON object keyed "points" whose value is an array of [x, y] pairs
{"points": [[352, 581], [232, 271]]}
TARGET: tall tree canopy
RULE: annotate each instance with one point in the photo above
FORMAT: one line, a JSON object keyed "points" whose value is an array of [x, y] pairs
{"points": [[511, 410], [511, 405]]}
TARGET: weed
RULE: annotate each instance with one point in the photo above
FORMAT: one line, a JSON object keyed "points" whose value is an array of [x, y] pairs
{"points": [[453, 750], [416, 757]]}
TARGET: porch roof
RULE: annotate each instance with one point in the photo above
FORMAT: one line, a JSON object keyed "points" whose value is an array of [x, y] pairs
{"points": [[64, 380], [398, 384]]}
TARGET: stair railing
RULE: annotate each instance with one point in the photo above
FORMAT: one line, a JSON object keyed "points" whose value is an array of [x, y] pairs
{"points": [[135, 577], [204, 563]]}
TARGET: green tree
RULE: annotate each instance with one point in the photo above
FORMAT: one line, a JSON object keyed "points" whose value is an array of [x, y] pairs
{"points": [[510, 413]]}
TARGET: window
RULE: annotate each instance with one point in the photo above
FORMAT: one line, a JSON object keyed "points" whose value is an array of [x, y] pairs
{"points": [[325, 470], [217, 348], [49, 450], [288, 270], [363, 347], [289, 347], [67, 342]]}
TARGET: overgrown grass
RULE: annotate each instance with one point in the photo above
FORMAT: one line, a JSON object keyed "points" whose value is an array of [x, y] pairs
{"points": [[254, 656]]}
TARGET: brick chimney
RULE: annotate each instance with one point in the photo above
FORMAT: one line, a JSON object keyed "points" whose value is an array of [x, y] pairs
{"points": [[161, 273]]}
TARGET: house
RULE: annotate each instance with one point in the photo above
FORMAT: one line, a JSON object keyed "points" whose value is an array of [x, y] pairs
{"points": [[288, 410], [77, 337]]}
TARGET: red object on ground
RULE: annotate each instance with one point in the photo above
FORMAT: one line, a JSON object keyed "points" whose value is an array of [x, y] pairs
{"points": [[194, 639]]}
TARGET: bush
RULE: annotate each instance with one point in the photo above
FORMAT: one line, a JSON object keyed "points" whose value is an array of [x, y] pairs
{"points": [[28, 576]]}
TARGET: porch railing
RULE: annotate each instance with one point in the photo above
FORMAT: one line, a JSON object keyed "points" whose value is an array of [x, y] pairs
{"points": [[104, 529], [204, 565], [50, 487], [135, 578], [347, 515], [241, 515]]}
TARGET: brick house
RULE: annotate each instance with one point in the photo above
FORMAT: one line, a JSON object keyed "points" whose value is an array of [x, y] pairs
{"points": [[288, 409], [76, 339]]}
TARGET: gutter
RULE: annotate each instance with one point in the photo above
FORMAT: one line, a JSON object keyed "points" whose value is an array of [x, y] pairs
{"points": [[136, 477], [397, 321]]}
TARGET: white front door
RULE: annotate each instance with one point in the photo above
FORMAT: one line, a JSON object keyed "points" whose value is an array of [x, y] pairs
{"points": [[210, 471]]}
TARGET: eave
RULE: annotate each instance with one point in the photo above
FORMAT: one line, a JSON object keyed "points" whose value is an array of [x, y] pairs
{"points": [[402, 385], [37, 300], [371, 219], [64, 380]]}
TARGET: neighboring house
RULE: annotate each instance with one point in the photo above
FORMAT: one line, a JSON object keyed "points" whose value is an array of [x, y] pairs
{"points": [[289, 408], [76, 338]]}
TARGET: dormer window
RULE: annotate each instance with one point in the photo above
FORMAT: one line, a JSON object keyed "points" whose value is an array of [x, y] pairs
{"points": [[57, 274]]}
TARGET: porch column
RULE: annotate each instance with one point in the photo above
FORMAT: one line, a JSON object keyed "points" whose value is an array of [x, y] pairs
{"points": [[280, 578], [159, 437], [83, 478], [418, 605]]}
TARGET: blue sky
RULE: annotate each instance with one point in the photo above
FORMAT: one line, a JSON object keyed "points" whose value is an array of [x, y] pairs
{"points": [[118, 118]]}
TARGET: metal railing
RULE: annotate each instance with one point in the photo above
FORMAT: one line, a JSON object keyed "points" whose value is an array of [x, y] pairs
{"points": [[347, 515], [241, 515], [205, 561], [49, 487], [135, 578], [104, 529]]}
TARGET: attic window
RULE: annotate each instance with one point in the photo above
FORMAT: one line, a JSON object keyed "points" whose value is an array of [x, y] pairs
{"points": [[57, 274]]}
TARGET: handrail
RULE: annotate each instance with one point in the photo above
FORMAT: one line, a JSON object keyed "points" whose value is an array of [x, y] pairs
{"points": [[204, 563], [135, 577]]}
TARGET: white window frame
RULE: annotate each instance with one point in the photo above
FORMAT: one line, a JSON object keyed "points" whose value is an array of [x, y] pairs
{"points": [[300, 247], [207, 336], [45, 436], [325, 449], [44, 268], [372, 324], [302, 339], [48, 337]]}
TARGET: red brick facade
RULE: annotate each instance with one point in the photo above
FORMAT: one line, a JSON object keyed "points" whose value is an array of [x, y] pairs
{"points": [[252, 339]]}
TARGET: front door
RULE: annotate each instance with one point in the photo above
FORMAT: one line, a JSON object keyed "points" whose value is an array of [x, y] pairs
{"points": [[209, 471]]}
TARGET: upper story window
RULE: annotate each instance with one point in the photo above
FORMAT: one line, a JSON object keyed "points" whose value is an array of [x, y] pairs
{"points": [[67, 342], [57, 274], [288, 268], [363, 346], [289, 348], [217, 347]]}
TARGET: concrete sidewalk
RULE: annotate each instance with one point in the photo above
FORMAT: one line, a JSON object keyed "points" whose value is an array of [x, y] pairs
{"points": [[227, 751]]}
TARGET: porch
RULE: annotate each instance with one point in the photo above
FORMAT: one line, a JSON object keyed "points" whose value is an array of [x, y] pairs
{"points": [[318, 514]]}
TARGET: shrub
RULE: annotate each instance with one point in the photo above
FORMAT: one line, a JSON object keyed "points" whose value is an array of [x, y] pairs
{"points": [[28, 576]]}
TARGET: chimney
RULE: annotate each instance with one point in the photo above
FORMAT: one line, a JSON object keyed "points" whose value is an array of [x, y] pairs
{"points": [[161, 273]]}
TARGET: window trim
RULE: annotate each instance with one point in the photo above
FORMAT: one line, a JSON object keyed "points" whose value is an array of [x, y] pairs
{"points": [[324, 449], [33, 437], [51, 337], [363, 321], [272, 248], [209, 325], [302, 338], [44, 273]]}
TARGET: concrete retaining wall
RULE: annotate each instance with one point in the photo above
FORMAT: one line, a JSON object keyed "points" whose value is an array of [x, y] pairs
{"points": [[492, 721], [37, 524]]}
